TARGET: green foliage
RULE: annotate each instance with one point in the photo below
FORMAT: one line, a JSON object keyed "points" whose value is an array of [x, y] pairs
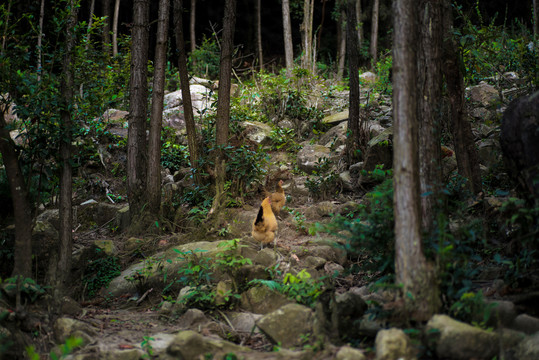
{"points": [[141, 277], [229, 260], [27, 286], [204, 60], [369, 232], [197, 274], [173, 155], [71, 344], [489, 50], [472, 308], [301, 288], [99, 273], [323, 182], [383, 84], [146, 345]]}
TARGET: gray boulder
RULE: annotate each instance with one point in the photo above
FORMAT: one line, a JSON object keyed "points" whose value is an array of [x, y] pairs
{"points": [[393, 344], [290, 325]]}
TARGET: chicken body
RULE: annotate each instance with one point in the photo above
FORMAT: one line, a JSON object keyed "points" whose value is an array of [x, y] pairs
{"points": [[265, 224], [278, 199]]}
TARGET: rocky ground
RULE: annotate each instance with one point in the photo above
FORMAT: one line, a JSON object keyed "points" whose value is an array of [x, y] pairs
{"points": [[138, 315]]}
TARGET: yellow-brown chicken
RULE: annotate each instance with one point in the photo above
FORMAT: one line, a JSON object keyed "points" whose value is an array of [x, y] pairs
{"points": [[278, 199], [265, 224]]}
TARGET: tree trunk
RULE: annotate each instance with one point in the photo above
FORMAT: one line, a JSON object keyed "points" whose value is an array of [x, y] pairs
{"points": [[341, 54], [192, 32], [461, 130], [259, 34], [307, 34], [192, 135], [90, 23], [66, 189], [6, 25], [22, 251], [420, 292], [352, 140], [138, 104], [106, 26], [153, 181], [115, 28], [359, 15], [39, 40], [287, 33], [430, 108], [374, 33], [223, 103]]}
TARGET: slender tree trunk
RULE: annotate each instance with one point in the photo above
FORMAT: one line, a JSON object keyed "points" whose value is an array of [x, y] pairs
{"points": [[259, 34], [153, 181], [319, 35], [39, 40], [430, 108], [374, 33], [6, 25], [223, 103], [353, 69], [461, 129], [90, 23], [535, 19], [66, 190], [359, 15], [106, 27], [22, 251], [287, 33], [138, 105], [341, 54], [192, 135], [307, 34], [417, 278], [115, 28], [192, 32]]}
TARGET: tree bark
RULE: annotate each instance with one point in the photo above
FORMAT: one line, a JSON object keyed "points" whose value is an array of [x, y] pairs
{"points": [[39, 40], [359, 15], [153, 181], [259, 34], [306, 30], [287, 33], [22, 251], [192, 135], [430, 108], [115, 28], [138, 104], [374, 33], [6, 25], [417, 278], [90, 23], [341, 54], [106, 26], [461, 130], [66, 188], [352, 140], [223, 103], [192, 32]]}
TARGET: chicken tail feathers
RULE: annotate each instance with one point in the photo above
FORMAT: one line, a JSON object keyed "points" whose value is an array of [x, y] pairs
{"points": [[260, 216]]}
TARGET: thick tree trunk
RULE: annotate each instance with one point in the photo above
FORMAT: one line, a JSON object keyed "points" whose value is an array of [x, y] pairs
{"points": [[223, 103], [417, 278], [352, 141], [287, 33], [138, 104], [259, 34], [22, 252], [374, 33], [192, 136], [115, 28], [461, 130], [153, 182], [430, 108], [66, 188]]}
